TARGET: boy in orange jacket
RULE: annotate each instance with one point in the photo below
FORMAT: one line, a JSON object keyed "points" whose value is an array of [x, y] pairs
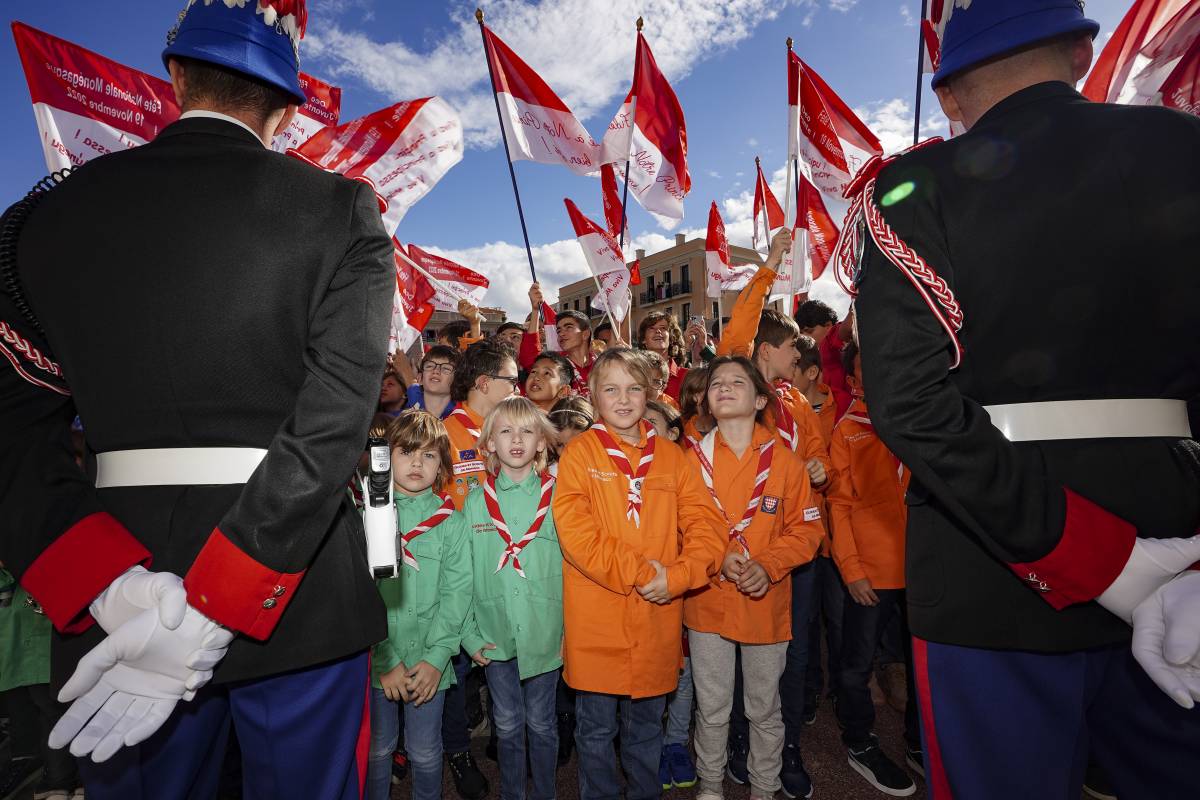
{"points": [[868, 515]]}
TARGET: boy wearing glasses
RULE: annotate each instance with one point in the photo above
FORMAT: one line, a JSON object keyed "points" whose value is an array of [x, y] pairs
{"points": [[431, 392], [486, 375]]}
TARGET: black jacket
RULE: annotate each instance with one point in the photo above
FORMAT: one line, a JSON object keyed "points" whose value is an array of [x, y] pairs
{"points": [[1068, 231], [201, 290]]}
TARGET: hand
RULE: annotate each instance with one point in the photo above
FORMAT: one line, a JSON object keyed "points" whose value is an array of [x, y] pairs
{"points": [[1166, 638], [781, 244], [862, 593], [126, 687], [598, 346], [478, 656], [1151, 565], [535, 297], [655, 591], [733, 566], [393, 682], [134, 591], [468, 310], [423, 680], [755, 581], [816, 472], [695, 335]]}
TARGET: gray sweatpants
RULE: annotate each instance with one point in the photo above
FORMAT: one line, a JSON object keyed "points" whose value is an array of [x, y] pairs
{"points": [[712, 674]]}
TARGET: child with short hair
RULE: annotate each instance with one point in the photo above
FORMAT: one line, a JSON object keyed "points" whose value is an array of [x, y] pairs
{"points": [[549, 380], [426, 606], [486, 375], [660, 376], [570, 417], [667, 421], [637, 530], [691, 396], [514, 628]]}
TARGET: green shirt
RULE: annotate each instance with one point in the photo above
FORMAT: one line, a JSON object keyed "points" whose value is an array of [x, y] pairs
{"points": [[426, 606], [523, 617], [24, 641]]}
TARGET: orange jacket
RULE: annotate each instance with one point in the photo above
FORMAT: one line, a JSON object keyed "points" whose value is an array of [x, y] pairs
{"points": [[737, 339], [866, 503], [469, 468], [827, 417], [784, 534], [616, 642], [812, 445]]}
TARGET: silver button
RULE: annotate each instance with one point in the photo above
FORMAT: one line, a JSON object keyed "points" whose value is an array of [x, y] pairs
{"points": [[279, 590], [269, 603]]}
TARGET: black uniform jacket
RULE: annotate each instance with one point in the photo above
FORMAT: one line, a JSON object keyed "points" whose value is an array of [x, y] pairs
{"points": [[200, 291], [1069, 233]]}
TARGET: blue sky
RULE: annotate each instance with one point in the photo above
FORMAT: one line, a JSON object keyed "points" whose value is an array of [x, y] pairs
{"points": [[726, 61]]}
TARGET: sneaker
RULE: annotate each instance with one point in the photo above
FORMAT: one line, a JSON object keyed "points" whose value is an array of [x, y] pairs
{"points": [[664, 770], [399, 766], [78, 794], [468, 780], [566, 737], [735, 767], [19, 773], [708, 794], [914, 758], [44, 792], [679, 765], [1095, 783], [879, 770], [794, 777]]}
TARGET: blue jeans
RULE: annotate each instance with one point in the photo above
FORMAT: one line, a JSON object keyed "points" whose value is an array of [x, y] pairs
{"points": [[641, 744], [422, 740], [679, 708], [863, 629], [456, 737], [519, 706], [829, 602]]}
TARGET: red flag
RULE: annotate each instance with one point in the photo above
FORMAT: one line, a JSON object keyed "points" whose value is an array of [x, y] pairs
{"points": [[829, 140], [605, 262], [456, 281], [649, 132], [721, 276], [538, 125], [411, 306], [1181, 90], [933, 26], [822, 230], [549, 321], [1111, 74], [635, 273], [612, 200], [764, 221], [320, 110]]}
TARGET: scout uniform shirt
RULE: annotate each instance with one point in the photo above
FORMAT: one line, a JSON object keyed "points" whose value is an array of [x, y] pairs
{"points": [[827, 417], [784, 533], [426, 606], [616, 642], [24, 640], [469, 470], [522, 616], [866, 503]]}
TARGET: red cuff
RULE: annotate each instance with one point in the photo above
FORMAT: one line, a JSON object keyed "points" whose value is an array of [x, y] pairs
{"points": [[78, 566], [233, 589], [531, 348], [1094, 548]]}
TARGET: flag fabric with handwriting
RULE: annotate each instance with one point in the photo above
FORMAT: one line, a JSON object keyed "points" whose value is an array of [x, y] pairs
{"points": [[320, 110], [538, 125], [411, 304], [824, 134], [612, 200], [458, 282], [650, 134], [721, 275], [821, 229], [765, 222], [604, 260]]}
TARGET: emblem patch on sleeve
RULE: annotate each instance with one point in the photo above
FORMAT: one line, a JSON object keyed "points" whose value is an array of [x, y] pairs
{"points": [[770, 504]]}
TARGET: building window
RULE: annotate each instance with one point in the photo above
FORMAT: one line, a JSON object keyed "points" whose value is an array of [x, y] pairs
{"points": [[686, 312], [666, 277], [587, 303], [577, 304], [566, 306], [716, 309], [685, 277]]}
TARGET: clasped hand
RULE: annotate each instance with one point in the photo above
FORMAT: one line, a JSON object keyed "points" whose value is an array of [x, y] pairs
{"points": [[748, 575], [655, 590], [416, 685]]}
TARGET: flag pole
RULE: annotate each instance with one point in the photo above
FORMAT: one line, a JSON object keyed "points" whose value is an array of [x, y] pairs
{"points": [[795, 165], [504, 138], [632, 123], [920, 66]]}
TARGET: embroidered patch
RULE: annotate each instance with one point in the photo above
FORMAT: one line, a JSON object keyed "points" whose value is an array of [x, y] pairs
{"points": [[769, 504], [464, 467], [812, 514], [467, 455]]}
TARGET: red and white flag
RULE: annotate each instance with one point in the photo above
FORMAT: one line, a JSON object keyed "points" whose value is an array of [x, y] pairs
{"points": [[550, 330], [1120, 60], [721, 275], [1156, 65], [87, 105], [649, 133], [1181, 90], [612, 200], [605, 262], [822, 230], [320, 110], [933, 27], [538, 125], [452, 282], [824, 134], [401, 151], [768, 216], [411, 306]]}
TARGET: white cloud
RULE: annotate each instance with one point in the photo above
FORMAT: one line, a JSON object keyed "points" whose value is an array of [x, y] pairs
{"points": [[892, 122], [842, 5], [588, 65], [752, 142], [906, 13], [712, 173]]}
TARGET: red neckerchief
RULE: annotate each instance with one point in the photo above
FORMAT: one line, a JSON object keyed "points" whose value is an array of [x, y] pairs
{"points": [[439, 516], [512, 549], [633, 510], [785, 422], [765, 455], [459, 413]]}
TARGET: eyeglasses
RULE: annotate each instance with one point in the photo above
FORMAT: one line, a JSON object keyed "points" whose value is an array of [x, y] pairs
{"points": [[512, 379], [437, 366], [658, 383]]}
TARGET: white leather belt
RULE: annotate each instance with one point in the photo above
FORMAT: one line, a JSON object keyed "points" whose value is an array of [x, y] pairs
{"points": [[176, 466], [1091, 419]]}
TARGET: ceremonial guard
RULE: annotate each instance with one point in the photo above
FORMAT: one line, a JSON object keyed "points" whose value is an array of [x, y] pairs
{"points": [[1027, 312], [216, 314]]}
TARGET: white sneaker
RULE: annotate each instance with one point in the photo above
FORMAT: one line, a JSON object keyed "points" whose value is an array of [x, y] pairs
{"points": [[710, 795]]}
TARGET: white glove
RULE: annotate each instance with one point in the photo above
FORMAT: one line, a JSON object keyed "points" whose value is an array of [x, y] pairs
{"points": [[133, 592], [1152, 563], [1166, 638], [128, 685]]}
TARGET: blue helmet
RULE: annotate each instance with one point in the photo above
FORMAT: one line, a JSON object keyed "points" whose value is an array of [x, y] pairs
{"points": [[258, 38], [979, 30]]}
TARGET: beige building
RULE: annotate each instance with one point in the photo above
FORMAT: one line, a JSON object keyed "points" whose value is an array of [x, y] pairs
{"points": [[672, 281]]}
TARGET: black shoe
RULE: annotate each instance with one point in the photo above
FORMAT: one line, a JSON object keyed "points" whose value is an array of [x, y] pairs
{"points": [[1095, 783], [914, 758], [796, 782], [19, 773], [566, 738], [879, 770], [468, 780], [735, 766]]}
